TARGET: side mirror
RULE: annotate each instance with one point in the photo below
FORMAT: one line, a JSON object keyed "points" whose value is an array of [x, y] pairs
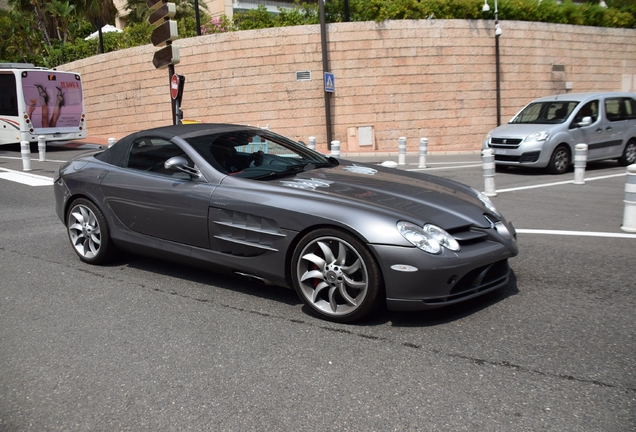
{"points": [[179, 163], [586, 121]]}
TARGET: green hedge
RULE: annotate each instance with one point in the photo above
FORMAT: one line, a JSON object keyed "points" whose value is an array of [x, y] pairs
{"points": [[587, 14]]}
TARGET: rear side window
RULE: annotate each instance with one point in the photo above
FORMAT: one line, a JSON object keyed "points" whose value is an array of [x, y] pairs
{"points": [[617, 109]]}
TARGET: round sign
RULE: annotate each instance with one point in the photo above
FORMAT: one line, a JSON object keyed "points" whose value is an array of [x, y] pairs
{"points": [[174, 86]]}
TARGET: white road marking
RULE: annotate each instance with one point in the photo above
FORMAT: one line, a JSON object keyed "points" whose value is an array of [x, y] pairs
{"points": [[25, 178], [559, 183], [443, 168], [577, 233]]}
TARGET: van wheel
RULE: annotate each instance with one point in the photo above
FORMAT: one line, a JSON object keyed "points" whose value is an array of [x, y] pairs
{"points": [[629, 154], [560, 160]]}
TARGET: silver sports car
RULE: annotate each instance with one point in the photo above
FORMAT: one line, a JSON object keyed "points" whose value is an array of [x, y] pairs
{"points": [[246, 201]]}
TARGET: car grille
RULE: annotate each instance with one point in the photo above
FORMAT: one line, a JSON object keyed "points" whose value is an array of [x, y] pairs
{"points": [[524, 158], [480, 280], [509, 143]]}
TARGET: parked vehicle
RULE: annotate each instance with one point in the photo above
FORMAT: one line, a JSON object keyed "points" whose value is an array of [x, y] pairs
{"points": [[252, 203], [37, 101], [544, 133]]}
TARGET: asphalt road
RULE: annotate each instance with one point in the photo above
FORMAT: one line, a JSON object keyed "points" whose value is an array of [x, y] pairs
{"points": [[143, 345]]}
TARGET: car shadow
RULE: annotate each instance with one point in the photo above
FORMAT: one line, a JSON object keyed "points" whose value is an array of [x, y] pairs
{"points": [[379, 317], [208, 278]]}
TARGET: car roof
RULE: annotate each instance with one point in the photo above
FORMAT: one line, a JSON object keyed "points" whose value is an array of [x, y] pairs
{"points": [[578, 97], [118, 153]]}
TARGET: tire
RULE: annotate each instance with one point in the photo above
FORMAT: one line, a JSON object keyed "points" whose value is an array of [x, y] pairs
{"points": [[560, 160], [88, 232], [629, 154], [336, 276]]}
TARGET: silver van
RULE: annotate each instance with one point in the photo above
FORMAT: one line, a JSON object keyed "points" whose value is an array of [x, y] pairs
{"points": [[545, 132]]}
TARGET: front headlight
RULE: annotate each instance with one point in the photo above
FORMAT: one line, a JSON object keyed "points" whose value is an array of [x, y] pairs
{"points": [[429, 238], [538, 136], [486, 201]]}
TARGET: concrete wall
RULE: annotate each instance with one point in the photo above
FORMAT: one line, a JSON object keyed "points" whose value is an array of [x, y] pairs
{"points": [[426, 78]]}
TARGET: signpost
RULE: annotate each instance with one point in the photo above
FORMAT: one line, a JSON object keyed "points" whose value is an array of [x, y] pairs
{"points": [[162, 36]]}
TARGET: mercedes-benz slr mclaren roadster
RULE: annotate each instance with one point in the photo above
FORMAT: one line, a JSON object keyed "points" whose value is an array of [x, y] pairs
{"points": [[246, 201]]}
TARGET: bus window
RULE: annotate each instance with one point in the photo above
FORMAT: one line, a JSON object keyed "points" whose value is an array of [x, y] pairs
{"points": [[8, 95]]}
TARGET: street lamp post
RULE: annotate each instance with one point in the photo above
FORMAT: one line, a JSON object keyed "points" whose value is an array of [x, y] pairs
{"points": [[486, 8]]}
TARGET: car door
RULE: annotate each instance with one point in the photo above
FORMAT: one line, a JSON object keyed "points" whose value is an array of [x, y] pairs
{"points": [[593, 135], [156, 202], [615, 128]]}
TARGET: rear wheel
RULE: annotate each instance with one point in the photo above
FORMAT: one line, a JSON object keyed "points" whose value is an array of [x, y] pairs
{"points": [[88, 232], [336, 276], [560, 160], [629, 154]]}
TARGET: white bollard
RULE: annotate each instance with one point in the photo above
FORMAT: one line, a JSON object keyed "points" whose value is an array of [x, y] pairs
{"points": [[42, 147], [629, 218], [402, 151], [423, 150], [25, 149], [311, 142], [580, 161], [335, 149], [488, 158], [111, 142]]}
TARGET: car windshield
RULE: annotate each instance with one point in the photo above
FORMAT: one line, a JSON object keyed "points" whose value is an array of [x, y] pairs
{"points": [[551, 112], [257, 154]]}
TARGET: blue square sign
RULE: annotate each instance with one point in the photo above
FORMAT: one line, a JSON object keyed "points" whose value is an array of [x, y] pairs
{"points": [[330, 84]]}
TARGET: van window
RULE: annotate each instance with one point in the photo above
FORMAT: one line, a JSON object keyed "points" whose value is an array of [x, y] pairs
{"points": [[613, 109], [590, 109], [630, 108], [8, 95], [551, 112]]}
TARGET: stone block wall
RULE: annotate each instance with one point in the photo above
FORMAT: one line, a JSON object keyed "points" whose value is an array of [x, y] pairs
{"points": [[412, 78]]}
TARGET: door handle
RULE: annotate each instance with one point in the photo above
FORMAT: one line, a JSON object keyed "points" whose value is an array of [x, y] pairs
{"points": [[599, 130], [609, 128]]}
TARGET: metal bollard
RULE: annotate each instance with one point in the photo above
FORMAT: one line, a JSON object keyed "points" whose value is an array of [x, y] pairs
{"points": [[311, 142], [402, 151], [423, 150], [580, 161], [488, 158], [111, 142], [42, 147], [629, 217], [25, 149], [335, 149]]}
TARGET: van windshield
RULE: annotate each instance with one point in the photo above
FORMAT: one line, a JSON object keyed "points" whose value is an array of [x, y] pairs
{"points": [[551, 112]]}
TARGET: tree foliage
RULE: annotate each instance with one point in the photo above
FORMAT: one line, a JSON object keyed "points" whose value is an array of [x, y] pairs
{"points": [[51, 32]]}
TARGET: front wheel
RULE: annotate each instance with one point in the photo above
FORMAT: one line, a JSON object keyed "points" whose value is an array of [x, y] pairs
{"points": [[560, 160], [629, 154], [88, 232], [335, 275]]}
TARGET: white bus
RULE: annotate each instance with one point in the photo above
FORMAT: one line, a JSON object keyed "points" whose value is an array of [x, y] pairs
{"points": [[37, 101]]}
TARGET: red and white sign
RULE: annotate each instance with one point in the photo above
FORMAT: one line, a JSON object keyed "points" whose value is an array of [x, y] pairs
{"points": [[174, 86]]}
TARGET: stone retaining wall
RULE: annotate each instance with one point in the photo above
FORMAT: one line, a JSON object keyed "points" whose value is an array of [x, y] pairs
{"points": [[423, 78]]}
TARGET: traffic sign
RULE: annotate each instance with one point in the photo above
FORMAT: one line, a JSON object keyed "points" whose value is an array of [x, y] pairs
{"points": [[330, 84], [168, 31], [174, 86], [168, 10], [166, 56]]}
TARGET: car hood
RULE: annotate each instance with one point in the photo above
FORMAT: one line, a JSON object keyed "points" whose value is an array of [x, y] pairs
{"points": [[519, 130], [416, 197]]}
